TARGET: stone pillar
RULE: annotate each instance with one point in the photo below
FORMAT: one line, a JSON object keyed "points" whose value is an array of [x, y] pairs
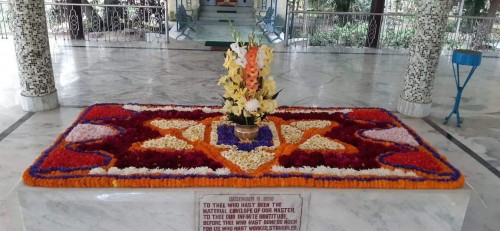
{"points": [[415, 99], [29, 27]]}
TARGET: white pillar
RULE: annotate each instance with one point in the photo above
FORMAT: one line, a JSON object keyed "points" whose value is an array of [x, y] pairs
{"points": [[415, 99], [29, 28]]}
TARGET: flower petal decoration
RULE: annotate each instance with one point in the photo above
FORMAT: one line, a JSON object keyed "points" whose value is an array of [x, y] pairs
{"points": [[317, 142], [324, 170], [291, 134], [307, 124], [396, 135], [102, 111], [87, 132], [416, 161], [248, 161], [145, 171], [196, 132], [169, 124], [206, 153], [371, 114], [69, 160], [168, 141]]}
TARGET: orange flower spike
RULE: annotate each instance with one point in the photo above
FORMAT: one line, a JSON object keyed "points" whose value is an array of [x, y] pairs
{"points": [[252, 69]]}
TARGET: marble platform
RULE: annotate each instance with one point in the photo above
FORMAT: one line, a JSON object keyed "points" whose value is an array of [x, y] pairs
{"points": [[174, 208]]}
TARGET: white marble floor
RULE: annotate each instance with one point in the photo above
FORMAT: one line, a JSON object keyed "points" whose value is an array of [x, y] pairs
{"points": [[87, 75]]}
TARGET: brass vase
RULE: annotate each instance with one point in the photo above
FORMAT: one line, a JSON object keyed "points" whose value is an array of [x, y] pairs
{"points": [[246, 132]]}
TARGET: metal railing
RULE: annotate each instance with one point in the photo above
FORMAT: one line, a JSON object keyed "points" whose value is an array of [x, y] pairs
{"points": [[350, 29], [101, 22], [477, 33]]}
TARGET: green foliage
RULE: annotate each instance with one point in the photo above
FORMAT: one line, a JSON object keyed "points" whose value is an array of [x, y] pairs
{"points": [[321, 38], [466, 26], [493, 40], [451, 26], [452, 43], [362, 6], [350, 35], [332, 5], [343, 5], [241, 119], [321, 4], [398, 38], [352, 32]]}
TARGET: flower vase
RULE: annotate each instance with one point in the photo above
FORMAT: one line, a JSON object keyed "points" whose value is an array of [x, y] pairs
{"points": [[246, 132]]}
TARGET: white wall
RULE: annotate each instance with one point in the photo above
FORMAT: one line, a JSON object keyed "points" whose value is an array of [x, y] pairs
{"points": [[281, 12]]}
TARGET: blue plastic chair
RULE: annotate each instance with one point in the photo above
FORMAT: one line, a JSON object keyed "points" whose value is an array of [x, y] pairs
{"points": [[467, 58]]}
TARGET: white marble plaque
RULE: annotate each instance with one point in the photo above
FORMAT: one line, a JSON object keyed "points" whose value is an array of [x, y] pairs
{"points": [[250, 212]]}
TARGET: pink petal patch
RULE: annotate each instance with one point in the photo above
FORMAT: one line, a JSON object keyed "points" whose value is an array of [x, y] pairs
{"points": [[86, 132], [396, 135]]}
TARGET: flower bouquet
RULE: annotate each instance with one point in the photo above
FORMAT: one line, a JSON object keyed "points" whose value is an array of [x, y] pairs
{"points": [[249, 90]]}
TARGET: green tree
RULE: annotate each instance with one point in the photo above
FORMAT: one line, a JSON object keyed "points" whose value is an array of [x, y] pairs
{"points": [[474, 7], [487, 25], [343, 5], [321, 5], [494, 8], [478, 7], [361, 6], [337, 5]]}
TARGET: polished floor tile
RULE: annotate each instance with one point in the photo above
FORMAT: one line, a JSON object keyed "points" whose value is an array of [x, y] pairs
{"points": [[154, 74]]}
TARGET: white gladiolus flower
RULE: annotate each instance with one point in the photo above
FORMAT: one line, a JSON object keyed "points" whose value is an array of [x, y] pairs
{"points": [[240, 51], [241, 61], [252, 105]]}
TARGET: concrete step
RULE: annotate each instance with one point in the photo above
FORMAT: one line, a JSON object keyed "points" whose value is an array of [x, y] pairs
{"points": [[242, 9], [210, 16], [222, 18], [221, 15], [235, 22]]}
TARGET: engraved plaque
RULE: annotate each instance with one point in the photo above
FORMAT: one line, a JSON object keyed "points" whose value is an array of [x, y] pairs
{"points": [[263, 211]]}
